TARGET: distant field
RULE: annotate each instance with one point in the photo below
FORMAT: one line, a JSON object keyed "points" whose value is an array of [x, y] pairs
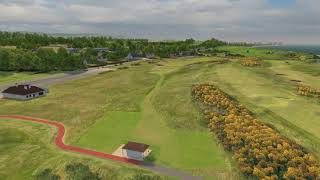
{"points": [[260, 52], [12, 77], [151, 103]]}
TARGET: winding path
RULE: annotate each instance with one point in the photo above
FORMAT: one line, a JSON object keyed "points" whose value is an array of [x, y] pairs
{"points": [[59, 140]]}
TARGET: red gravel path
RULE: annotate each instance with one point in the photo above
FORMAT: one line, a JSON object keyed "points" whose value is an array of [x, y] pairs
{"points": [[62, 145]]}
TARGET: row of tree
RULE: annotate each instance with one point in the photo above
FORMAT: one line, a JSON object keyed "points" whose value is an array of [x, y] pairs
{"points": [[119, 47], [260, 151], [43, 59]]}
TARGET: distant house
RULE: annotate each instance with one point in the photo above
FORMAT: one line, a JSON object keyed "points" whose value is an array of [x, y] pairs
{"points": [[186, 53], [135, 150], [101, 49], [73, 50], [24, 92], [132, 57], [150, 56]]}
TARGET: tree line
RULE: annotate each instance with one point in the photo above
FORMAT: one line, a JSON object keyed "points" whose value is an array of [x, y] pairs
{"points": [[261, 152], [119, 48], [42, 60]]}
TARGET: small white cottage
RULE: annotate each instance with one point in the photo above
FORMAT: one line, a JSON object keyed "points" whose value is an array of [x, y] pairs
{"points": [[134, 150], [23, 92]]}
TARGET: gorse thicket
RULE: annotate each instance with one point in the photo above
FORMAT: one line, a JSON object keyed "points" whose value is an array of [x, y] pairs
{"points": [[308, 91], [251, 62], [260, 151]]}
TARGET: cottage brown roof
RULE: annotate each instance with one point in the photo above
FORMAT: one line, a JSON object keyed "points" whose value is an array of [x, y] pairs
{"points": [[22, 89], [134, 146]]}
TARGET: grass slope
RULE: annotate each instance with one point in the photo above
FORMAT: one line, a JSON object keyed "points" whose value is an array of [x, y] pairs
{"points": [[151, 103], [11, 77], [27, 149], [262, 53], [273, 98], [103, 111]]}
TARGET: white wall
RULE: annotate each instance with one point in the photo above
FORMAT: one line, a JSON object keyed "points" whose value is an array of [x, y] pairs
{"points": [[133, 154], [22, 97]]}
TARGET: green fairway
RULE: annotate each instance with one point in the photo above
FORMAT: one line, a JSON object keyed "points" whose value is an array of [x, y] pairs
{"points": [[151, 103], [262, 53], [113, 129], [107, 110], [308, 74], [11, 77], [274, 99]]}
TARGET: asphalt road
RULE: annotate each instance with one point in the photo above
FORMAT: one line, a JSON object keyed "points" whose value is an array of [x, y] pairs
{"points": [[60, 78]]}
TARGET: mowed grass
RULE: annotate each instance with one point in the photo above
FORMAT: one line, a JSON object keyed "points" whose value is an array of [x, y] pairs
{"points": [[12, 77], [152, 125], [113, 129], [308, 74], [152, 104], [107, 110], [80, 103], [26, 149]]}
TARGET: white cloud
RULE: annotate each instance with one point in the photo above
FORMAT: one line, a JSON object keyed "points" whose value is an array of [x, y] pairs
{"points": [[230, 19]]}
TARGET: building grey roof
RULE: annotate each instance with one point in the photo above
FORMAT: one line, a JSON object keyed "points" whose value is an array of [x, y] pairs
{"points": [[134, 146], [22, 89], [101, 49]]}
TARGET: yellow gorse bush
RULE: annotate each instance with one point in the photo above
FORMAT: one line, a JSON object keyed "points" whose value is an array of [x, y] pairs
{"points": [[251, 62], [260, 151]]}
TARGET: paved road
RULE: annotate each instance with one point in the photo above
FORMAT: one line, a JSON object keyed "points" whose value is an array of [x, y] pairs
{"points": [[169, 171], [60, 78], [60, 143]]}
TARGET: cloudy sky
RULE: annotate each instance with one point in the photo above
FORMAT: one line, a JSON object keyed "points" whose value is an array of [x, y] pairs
{"points": [[290, 21]]}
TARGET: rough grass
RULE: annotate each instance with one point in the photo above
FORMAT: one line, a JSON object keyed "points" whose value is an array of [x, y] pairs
{"points": [[273, 99], [152, 124], [307, 73], [106, 110], [152, 104], [312, 68], [27, 149], [11, 77], [80, 103]]}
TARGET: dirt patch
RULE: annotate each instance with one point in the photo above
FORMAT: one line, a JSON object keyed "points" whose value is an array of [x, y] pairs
{"points": [[279, 74], [206, 62], [106, 72], [124, 67], [135, 64], [294, 80], [160, 65]]}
